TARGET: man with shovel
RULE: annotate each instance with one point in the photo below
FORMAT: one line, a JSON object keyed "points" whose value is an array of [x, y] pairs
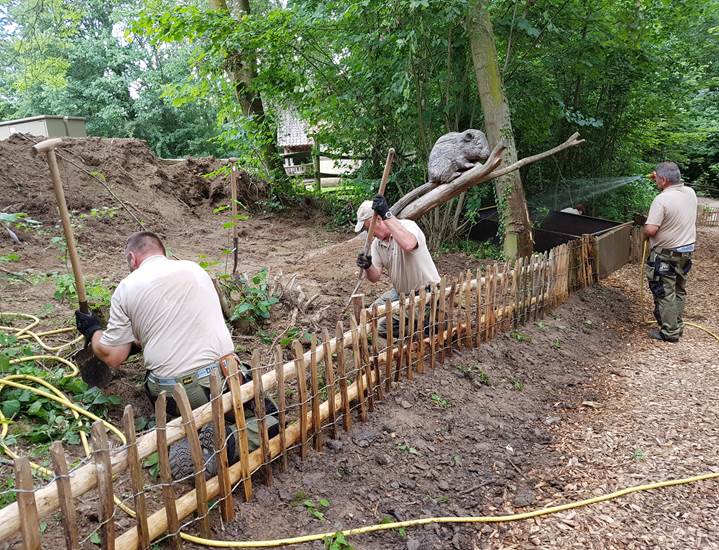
{"points": [[400, 247], [171, 309]]}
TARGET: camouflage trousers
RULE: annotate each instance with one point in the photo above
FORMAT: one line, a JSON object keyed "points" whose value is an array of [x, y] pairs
{"points": [[667, 277], [198, 393], [393, 296]]}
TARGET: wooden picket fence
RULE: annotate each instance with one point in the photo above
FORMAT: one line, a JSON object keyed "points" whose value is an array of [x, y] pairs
{"points": [[708, 215], [348, 374]]}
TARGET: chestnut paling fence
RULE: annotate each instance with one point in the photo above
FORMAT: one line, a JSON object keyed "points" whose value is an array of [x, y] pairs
{"points": [[708, 215], [320, 392]]}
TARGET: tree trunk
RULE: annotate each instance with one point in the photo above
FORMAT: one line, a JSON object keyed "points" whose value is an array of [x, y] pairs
{"points": [[514, 216], [242, 69]]}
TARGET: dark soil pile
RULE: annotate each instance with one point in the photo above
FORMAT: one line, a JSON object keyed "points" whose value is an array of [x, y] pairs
{"points": [[153, 189]]}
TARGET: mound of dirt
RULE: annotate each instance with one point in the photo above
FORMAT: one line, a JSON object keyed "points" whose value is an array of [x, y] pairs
{"points": [[156, 191]]}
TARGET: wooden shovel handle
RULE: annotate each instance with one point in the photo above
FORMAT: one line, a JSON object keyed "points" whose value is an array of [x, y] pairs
{"points": [[48, 146], [382, 187]]}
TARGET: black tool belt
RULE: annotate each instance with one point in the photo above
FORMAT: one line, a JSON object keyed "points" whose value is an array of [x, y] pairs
{"points": [[673, 253]]}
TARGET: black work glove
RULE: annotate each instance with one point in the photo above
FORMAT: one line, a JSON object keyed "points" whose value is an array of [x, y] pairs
{"points": [[364, 260], [380, 206], [640, 219], [87, 324]]}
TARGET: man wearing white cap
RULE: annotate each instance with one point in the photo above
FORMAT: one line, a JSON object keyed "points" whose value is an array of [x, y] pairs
{"points": [[400, 247]]}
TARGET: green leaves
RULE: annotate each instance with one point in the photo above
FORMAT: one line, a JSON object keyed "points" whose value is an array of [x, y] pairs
{"points": [[11, 407], [252, 299]]}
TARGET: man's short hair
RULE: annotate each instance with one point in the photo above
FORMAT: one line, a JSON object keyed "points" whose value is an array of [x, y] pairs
{"points": [[669, 171], [143, 242]]}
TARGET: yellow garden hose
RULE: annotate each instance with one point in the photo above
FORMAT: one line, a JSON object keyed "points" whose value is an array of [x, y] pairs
{"points": [[77, 411]]}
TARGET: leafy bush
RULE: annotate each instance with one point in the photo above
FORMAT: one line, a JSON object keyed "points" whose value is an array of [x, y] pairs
{"points": [[252, 300]]}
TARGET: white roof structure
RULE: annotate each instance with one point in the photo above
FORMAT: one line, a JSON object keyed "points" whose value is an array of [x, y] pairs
{"points": [[292, 130]]}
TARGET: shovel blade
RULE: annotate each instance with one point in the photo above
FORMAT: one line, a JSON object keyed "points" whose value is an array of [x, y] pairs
{"points": [[93, 371]]}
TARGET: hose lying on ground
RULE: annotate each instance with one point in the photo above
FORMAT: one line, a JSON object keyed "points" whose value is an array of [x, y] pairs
{"points": [[77, 411]]}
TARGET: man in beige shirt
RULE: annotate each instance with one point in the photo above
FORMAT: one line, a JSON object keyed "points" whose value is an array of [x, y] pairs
{"points": [[171, 309], [399, 247], [671, 230]]}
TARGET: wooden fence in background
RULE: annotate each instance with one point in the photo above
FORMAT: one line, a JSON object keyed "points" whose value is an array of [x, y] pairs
{"points": [[708, 215], [321, 391]]}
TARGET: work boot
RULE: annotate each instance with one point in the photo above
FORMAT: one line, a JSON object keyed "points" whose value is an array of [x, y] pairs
{"points": [[657, 335]]}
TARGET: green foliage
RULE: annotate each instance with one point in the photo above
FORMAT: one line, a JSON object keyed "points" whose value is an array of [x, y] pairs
{"points": [[104, 213], [475, 373], [401, 531], [253, 299], [514, 383], [10, 257], [318, 510], [7, 495], [621, 204], [285, 338], [71, 58], [36, 419], [152, 464], [18, 219], [439, 401], [98, 295], [479, 250], [341, 203], [337, 542], [405, 448], [638, 80], [638, 455], [519, 336]]}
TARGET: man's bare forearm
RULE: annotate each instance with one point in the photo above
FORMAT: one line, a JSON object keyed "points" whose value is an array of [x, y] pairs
{"points": [[112, 356], [405, 239], [373, 274]]}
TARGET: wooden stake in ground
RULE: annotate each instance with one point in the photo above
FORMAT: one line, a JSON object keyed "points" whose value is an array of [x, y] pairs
{"points": [[330, 382], [316, 397], [101, 450], [357, 362], [133, 463], [260, 413], [342, 375], [229, 365], [302, 391], [373, 222], [168, 492], [69, 524], [281, 404], [183, 404], [30, 525], [390, 345], [227, 508], [375, 351]]}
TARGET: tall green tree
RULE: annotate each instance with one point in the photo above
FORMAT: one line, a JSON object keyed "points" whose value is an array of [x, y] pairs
{"points": [[517, 229]]}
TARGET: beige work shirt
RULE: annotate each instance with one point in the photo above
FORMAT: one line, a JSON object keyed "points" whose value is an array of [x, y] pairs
{"points": [[172, 309], [674, 210], [408, 270]]}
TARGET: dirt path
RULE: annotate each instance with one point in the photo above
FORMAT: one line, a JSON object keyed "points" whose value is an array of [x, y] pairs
{"points": [[658, 418]]}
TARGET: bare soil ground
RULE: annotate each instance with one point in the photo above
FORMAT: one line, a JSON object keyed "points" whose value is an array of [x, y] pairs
{"points": [[576, 405]]}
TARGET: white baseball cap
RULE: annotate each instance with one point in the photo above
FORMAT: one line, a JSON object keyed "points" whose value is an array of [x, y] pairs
{"points": [[364, 212]]}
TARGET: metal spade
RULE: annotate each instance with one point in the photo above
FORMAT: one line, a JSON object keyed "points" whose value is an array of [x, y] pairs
{"points": [[93, 371]]}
